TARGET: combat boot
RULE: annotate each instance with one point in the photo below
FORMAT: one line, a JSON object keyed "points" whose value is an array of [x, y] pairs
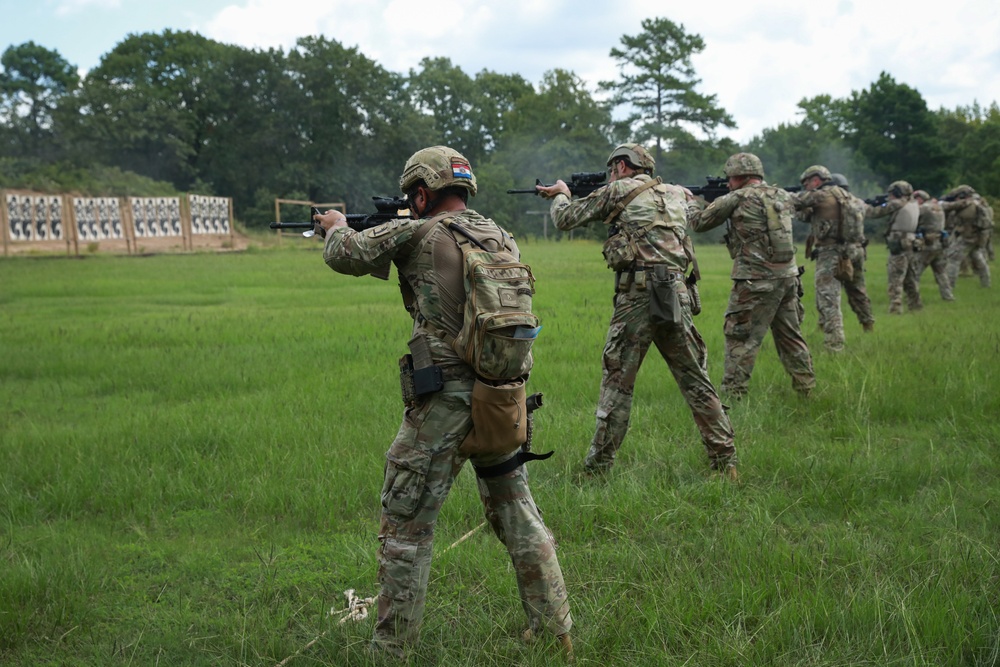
{"points": [[868, 327], [567, 646]]}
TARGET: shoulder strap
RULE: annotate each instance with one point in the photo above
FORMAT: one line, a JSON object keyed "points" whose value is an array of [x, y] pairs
{"points": [[414, 242], [620, 206]]}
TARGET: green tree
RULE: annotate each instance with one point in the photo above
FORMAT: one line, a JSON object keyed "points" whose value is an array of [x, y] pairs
{"points": [[890, 126], [468, 113], [354, 121], [33, 83], [153, 103], [657, 82], [818, 138], [550, 134], [974, 134]]}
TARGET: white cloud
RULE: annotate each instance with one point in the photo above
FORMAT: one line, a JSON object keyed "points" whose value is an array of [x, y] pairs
{"points": [[760, 59]]}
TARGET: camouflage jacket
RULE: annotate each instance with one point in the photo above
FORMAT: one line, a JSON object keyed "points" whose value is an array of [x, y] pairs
{"points": [[664, 204], [968, 217], [746, 210], [432, 267]]}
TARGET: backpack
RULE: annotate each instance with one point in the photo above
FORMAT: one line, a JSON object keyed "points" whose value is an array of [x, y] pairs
{"points": [[852, 217], [779, 230], [499, 327]]}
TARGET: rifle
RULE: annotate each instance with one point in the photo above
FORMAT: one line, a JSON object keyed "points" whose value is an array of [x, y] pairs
{"points": [[581, 184], [716, 187], [877, 200], [386, 208]]}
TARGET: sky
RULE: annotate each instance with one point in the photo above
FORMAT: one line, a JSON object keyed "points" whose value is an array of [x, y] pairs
{"points": [[760, 58]]}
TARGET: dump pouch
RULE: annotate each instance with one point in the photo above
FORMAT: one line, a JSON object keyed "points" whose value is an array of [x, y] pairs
{"points": [[499, 419], [664, 297], [844, 271]]}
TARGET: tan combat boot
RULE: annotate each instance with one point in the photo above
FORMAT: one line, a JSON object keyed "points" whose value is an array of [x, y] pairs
{"points": [[567, 645]]}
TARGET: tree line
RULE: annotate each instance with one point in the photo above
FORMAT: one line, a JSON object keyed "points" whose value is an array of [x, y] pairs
{"points": [[176, 111]]}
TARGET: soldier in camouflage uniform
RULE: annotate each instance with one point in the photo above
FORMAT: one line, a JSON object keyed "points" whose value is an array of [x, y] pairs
{"points": [[650, 252], [903, 213], [765, 278], [837, 220], [932, 241], [424, 458], [972, 219]]}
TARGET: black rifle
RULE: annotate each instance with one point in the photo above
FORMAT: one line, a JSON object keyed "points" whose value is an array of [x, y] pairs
{"points": [[386, 208], [716, 187], [877, 200], [581, 184]]}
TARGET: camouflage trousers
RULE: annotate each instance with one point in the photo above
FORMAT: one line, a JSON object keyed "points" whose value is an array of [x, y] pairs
{"points": [[962, 248], [421, 466], [903, 276], [828, 288], [933, 256], [630, 335], [754, 307]]}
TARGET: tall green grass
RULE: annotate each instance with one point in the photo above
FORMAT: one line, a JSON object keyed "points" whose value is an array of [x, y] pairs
{"points": [[191, 449]]}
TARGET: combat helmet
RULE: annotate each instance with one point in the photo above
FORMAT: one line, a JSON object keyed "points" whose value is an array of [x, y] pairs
{"points": [[840, 181], [816, 170], [900, 189], [439, 167], [961, 192], [922, 194], [635, 154], [744, 164]]}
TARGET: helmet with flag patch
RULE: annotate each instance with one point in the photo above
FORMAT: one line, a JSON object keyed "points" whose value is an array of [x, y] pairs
{"points": [[438, 167]]}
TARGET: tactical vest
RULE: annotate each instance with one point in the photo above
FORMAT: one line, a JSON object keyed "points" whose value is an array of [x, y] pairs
{"points": [[905, 219]]}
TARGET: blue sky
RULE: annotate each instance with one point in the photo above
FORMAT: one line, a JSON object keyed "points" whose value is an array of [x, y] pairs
{"points": [[760, 59]]}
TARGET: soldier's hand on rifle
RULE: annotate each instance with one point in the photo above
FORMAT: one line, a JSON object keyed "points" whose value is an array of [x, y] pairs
{"points": [[550, 191], [330, 220]]}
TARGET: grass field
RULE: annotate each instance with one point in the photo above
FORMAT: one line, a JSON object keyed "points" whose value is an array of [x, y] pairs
{"points": [[191, 449]]}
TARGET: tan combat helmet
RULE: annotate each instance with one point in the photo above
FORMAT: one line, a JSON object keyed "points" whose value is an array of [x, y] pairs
{"points": [[439, 167], [961, 192], [840, 181], [635, 154], [744, 164], [922, 194], [900, 189], [816, 170]]}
